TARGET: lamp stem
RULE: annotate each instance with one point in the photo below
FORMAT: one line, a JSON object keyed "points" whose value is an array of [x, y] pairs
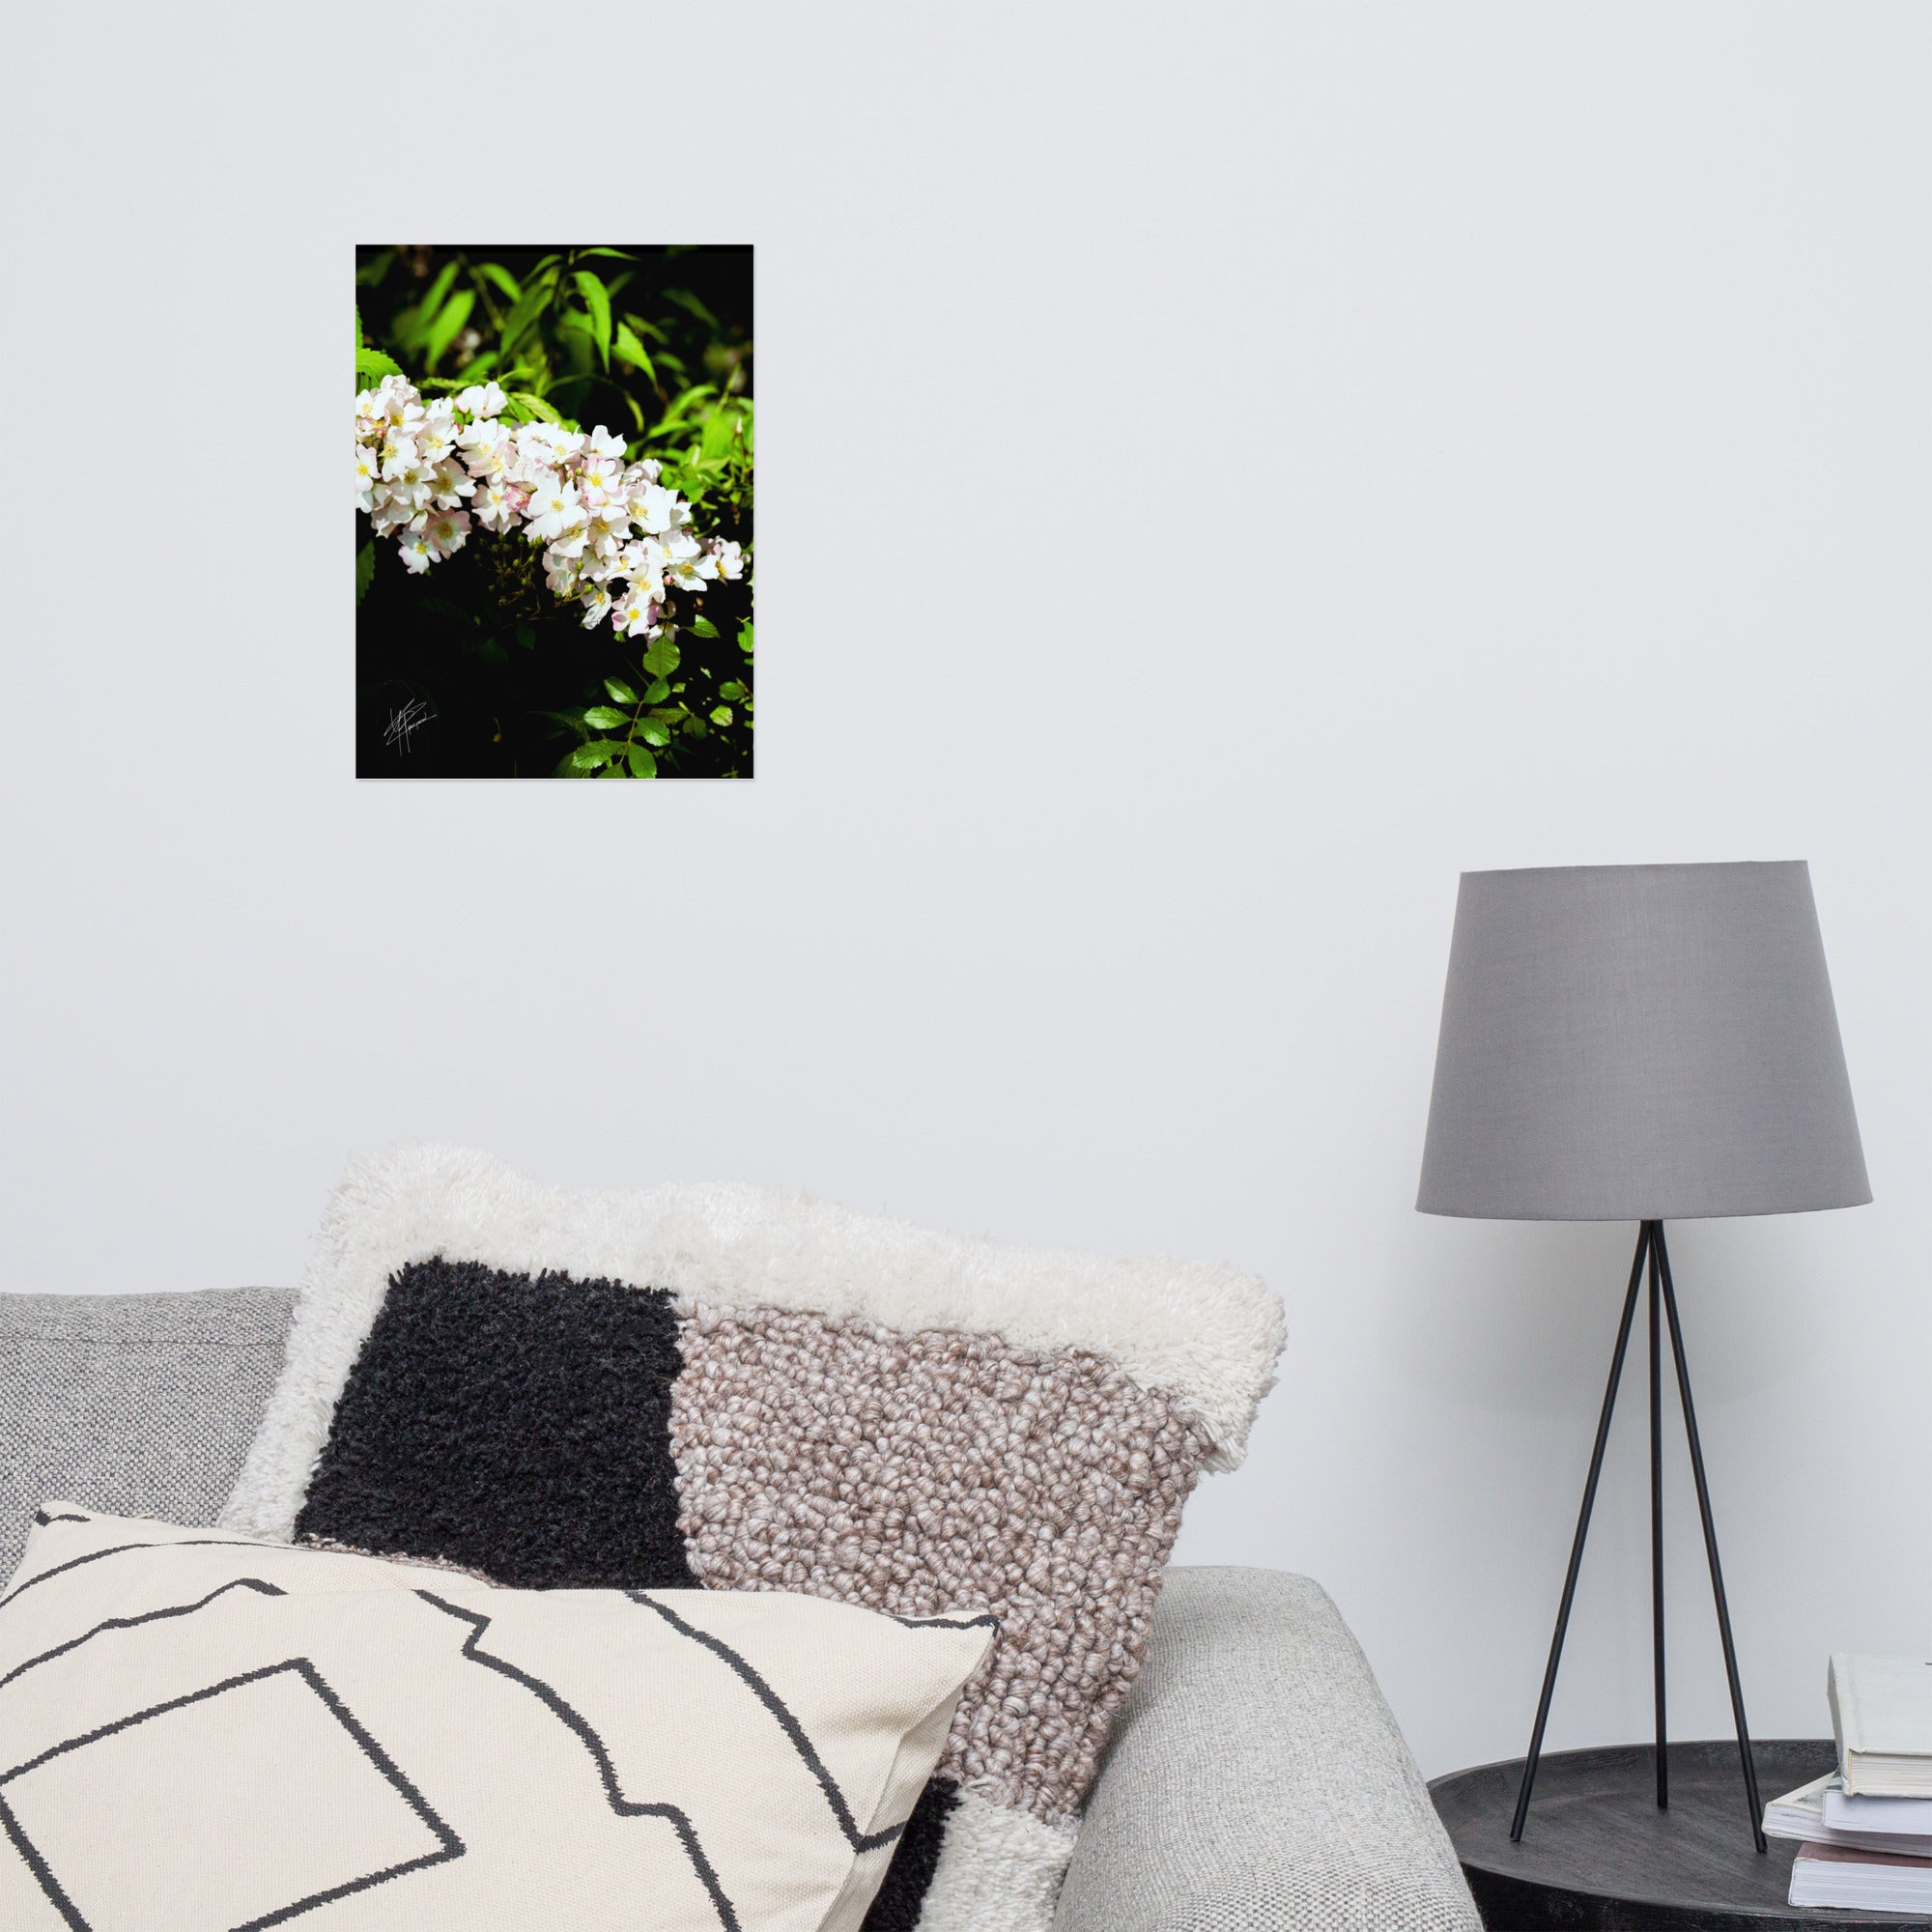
{"points": [[1663, 1256], [1655, 1230], [1582, 1532]]}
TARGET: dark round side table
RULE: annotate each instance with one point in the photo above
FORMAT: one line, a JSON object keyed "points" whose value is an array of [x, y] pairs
{"points": [[1598, 1855]]}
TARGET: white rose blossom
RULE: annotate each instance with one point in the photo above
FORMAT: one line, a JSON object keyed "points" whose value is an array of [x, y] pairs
{"points": [[486, 401], [613, 535], [448, 530], [493, 505]]}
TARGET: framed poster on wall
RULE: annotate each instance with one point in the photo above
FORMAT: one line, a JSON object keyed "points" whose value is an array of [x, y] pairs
{"points": [[554, 479]]}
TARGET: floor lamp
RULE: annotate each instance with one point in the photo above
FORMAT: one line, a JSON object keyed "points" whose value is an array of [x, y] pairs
{"points": [[1641, 1043]]}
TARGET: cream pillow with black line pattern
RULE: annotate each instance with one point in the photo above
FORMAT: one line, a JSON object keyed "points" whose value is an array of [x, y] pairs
{"points": [[201, 1732]]}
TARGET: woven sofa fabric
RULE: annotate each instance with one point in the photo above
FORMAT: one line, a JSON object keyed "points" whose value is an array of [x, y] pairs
{"points": [[1257, 1778], [855, 1409], [173, 1700], [142, 1405]]}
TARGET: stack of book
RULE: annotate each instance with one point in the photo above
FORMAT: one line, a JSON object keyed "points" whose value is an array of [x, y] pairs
{"points": [[1865, 1829]]}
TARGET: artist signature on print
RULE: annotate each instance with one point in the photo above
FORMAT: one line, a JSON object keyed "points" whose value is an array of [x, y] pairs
{"points": [[404, 723]]}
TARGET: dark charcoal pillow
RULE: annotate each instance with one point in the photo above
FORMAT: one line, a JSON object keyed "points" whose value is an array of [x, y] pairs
{"points": [[514, 1426]]}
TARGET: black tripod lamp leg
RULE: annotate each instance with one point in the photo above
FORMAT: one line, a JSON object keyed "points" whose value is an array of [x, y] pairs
{"points": [[1656, 1518], [1710, 1545], [1582, 1531]]}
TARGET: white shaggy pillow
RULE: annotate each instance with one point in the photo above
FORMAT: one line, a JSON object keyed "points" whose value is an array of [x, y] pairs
{"points": [[200, 1732]]}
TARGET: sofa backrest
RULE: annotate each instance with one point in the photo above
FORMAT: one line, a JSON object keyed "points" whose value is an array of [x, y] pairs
{"points": [[139, 1405]]}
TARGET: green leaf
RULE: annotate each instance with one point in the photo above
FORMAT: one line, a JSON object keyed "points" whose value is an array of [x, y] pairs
{"points": [[528, 307], [617, 254], [358, 325], [704, 627], [443, 330], [652, 732], [720, 433], [536, 405], [684, 407], [365, 569], [721, 713], [643, 764], [599, 751], [473, 371], [734, 690], [437, 290], [630, 349], [745, 638], [526, 636], [373, 363], [690, 305], [620, 691], [498, 276], [662, 658], [597, 299], [660, 689], [604, 719]]}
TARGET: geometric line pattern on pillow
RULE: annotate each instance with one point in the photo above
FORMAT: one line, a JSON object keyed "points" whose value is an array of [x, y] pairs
{"points": [[119, 1549], [837, 1406], [624, 1808], [447, 1844], [751, 1721], [107, 1624], [859, 1841]]}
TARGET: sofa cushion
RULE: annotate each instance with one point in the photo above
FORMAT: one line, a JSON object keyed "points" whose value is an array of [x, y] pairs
{"points": [[1258, 1779], [141, 1405]]}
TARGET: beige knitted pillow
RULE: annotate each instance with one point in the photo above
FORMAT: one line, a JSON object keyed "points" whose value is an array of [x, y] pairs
{"points": [[198, 1732]]}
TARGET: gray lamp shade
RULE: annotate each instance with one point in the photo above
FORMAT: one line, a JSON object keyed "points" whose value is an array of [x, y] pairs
{"points": [[1639, 1043]]}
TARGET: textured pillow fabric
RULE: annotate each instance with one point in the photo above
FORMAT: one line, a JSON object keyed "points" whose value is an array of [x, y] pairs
{"points": [[750, 1389], [139, 1404], [200, 1732]]}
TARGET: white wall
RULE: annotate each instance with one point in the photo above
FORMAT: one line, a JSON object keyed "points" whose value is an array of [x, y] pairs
{"points": [[1224, 472]]}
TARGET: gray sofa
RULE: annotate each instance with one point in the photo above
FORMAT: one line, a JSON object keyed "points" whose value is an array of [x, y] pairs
{"points": [[1255, 1778]]}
